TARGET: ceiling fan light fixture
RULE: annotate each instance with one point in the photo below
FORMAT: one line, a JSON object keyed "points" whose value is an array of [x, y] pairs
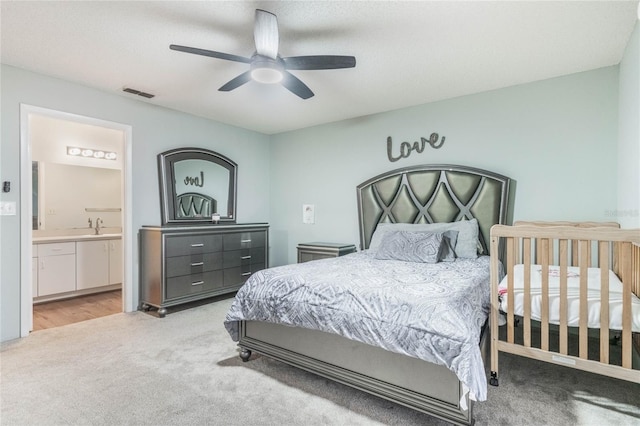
{"points": [[266, 71], [266, 65]]}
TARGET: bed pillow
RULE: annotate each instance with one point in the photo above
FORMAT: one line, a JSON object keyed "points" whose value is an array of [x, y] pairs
{"points": [[465, 247], [420, 247]]}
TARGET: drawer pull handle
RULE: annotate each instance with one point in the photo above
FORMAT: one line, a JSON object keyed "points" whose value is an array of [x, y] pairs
{"points": [[197, 264], [197, 245], [245, 257], [246, 241], [198, 283], [246, 274], [56, 249]]}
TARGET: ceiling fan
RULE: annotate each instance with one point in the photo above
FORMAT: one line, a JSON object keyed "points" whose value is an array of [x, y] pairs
{"points": [[266, 65]]}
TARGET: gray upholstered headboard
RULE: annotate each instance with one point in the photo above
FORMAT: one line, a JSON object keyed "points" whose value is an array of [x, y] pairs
{"points": [[430, 194]]}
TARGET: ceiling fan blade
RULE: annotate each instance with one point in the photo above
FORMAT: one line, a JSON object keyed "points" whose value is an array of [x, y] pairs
{"points": [[236, 82], [210, 53], [295, 86], [265, 34], [319, 62]]}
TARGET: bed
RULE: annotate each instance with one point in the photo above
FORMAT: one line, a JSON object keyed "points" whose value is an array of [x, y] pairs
{"points": [[382, 348], [569, 297]]}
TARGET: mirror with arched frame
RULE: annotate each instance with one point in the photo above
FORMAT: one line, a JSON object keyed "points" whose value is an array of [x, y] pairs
{"points": [[195, 184]]}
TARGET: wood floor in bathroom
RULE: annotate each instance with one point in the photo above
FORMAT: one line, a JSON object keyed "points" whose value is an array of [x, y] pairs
{"points": [[63, 312]]}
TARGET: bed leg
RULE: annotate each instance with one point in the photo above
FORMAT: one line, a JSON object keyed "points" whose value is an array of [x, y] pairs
{"points": [[493, 381], [245, 354]]}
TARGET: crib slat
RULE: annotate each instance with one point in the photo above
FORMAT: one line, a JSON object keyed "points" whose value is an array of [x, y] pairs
{"points": [[635, 267], [526, 251], [510, 292], [584, 311], [625, 255], [544, 311], [603, 263], [635, 284], [564, 330], [575, 259]]}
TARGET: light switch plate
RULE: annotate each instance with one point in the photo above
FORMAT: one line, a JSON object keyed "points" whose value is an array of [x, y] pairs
{"points": [[7, 208], [308, 213]]}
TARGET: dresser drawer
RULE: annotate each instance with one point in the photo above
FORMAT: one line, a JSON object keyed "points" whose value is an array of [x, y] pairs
{"points": [[235, 277], [187, 285], [240, 240], [194, 264], [192, 244], [235, 258]]}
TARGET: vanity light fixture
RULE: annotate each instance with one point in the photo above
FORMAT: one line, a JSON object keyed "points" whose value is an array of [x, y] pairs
{"points": [[91, 153]]}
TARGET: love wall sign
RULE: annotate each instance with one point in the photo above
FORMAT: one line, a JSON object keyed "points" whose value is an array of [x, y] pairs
{"points": [[406, 148]]}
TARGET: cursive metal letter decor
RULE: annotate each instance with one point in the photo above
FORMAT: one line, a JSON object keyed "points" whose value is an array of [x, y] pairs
{"points": [[406, 147]]}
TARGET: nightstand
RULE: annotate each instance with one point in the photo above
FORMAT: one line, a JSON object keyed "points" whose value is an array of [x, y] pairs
{"points": [[317, 250]]}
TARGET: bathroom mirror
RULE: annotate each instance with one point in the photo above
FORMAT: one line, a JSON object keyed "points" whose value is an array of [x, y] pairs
{"points": [[196, 184]]}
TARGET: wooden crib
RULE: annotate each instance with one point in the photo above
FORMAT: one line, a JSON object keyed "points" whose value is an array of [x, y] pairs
{"points": [[539, 323]]}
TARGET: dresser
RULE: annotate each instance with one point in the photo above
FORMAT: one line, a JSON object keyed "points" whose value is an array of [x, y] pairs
{"points": [[180, 264], [320, 250]]}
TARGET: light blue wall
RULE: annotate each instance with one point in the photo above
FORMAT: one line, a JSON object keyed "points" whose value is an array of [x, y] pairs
{"points": [[155, 130], [628, 212], [557, 138]]}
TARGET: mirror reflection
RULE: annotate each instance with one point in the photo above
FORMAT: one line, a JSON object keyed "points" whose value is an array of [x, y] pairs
{"points": [[195, 184], [67, 197]]}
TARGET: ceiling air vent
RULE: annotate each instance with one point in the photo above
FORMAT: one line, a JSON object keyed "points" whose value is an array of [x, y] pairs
{"points": [[138, 92]]}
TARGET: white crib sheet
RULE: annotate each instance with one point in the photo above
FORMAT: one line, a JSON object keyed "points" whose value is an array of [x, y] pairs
{"points": [[573, 292]]}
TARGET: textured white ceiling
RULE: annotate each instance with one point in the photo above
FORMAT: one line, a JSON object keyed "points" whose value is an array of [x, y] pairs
{"points": [[407, 53]]}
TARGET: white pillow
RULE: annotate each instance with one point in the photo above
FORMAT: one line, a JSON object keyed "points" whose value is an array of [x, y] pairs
{"points": [[466, 246]]}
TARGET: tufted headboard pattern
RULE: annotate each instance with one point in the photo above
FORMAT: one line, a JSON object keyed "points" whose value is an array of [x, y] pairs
{"points": [[192, 204], [430, 194]]}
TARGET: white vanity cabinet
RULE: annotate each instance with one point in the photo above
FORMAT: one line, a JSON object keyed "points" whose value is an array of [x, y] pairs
{"points": [[92, 265], [79, 266], [34, 270], [56, 268], [99, 263], [116, 271]]}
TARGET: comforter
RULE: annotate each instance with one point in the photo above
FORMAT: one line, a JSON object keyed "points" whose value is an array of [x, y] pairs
{"points": [[434, 312]]}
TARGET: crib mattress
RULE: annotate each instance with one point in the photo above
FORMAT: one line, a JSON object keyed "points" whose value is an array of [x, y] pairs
{"points": [[573, 294]]}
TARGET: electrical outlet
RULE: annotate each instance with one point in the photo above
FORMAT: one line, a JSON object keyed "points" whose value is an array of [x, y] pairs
{"points": [[51, 211], [7, 208]]}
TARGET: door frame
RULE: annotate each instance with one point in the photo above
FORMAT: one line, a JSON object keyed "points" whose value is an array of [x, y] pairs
{"points": [[26, 208]]}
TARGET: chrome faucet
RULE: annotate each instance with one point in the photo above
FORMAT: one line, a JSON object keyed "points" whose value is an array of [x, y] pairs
{"points": [[90, 223], [98, 223]]}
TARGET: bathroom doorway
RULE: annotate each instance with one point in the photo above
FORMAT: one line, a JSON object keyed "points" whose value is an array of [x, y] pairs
{"points": [[74, 157]]}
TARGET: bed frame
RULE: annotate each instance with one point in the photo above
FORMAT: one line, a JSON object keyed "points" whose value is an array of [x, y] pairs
{"points": [[424, 194], [581, 244]]}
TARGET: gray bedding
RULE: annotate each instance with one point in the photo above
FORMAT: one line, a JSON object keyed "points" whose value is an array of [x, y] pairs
{"points": [[433, 312]]}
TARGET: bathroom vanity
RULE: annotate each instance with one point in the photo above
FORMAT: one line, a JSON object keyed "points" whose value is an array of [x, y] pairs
{"points": [[75, 265]]}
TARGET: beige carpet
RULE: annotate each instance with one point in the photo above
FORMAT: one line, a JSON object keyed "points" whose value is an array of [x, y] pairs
{"points": [[136, 369]]}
